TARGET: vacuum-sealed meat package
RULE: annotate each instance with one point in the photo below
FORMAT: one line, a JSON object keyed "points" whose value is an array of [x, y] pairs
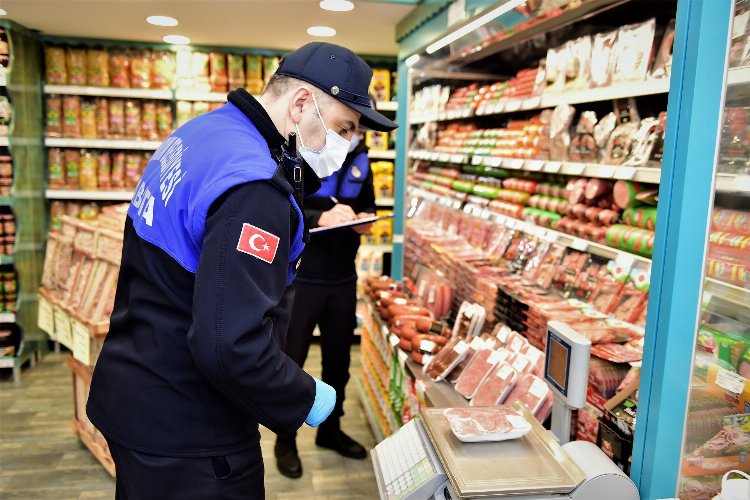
{"points": [[602, 60], [495, 387], [476, 371], [530, 391], [633, 52], [476, 345], [473, 425], [447, 359]]}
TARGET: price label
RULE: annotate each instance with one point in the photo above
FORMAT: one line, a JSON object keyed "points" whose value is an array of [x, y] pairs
{"points": [[532, 102], [81, 342], [402, 357], [466, 113], [393, 340], [452, 115], [575, 168], [63, 329], [625, 173], [441, 116], [579, 245], [495, 357], [46, 321], [534, 165], [625, 261], [500, 107], [552, 167], [730, 381], [477, 160], [491, 109], [606, 171], [513, 106], [503, 333], [505, 372], [444, 157], [485, 214], [461, 347], [481, 110], [494, 162], [476, 343], [434, 156], [458, 159], [427, 346], [538, 388], [742, 183], [517, 421], [550, 237], [515, 164], [384, 331]]}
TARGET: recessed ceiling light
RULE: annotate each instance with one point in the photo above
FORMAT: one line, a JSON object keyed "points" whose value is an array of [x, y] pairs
{"points": [[337, 5], [176, 39], [161, 20], [321, 31], [3, 13]]}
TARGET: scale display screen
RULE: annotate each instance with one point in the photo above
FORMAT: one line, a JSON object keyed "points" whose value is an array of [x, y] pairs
{"points": [[558, 363]]}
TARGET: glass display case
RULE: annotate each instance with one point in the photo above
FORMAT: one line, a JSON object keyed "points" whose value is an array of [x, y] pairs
{"points": [[716, 436]]}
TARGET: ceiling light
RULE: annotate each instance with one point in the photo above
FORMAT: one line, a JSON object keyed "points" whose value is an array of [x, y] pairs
{"points": [[337, 5], [161, 20], [412, 60], [475, 24], [176, 39], [321, 31], [3, 13]]}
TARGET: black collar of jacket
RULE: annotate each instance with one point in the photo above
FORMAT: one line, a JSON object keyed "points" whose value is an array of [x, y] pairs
{"points": [[251, 108]]}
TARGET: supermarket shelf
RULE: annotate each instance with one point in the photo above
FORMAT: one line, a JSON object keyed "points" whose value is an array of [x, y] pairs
{"points": [[635, 89], [384, 202], [386, 106], [739, 75], [378, 154], [4, 141], [731, 183], [164, 94], [189, 95], [65, 194], [6, 259], [378, 248], [63, 142], [7, 318], [639, 174], [728, 292], [369, 412], [547, 233]]}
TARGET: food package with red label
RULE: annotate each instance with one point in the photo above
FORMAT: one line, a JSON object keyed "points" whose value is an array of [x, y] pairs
{"points": [[475, 425], [727, 450]]}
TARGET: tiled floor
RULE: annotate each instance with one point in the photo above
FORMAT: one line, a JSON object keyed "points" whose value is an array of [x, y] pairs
{"points": [[41, 457]]}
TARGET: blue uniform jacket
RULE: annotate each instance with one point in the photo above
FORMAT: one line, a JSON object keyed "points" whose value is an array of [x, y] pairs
{"points": [[193, 360]]}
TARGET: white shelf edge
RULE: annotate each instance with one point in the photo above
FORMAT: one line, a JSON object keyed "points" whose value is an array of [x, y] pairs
{"points": [[378, 154], [4, 141], [191, 95], [620, 91], [65, 142], [7, 318], [65, 194], [384, 202], [386, 106], [161, 94], [732, 293], [736, 76], [378, 248], [732, 183], [7, 362], [563, 238]]}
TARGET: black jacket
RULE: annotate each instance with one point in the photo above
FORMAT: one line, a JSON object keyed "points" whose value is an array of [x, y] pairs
{"points": [[329, 257], [193, 362]]}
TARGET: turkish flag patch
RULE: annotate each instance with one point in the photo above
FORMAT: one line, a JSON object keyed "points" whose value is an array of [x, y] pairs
{"points": [[258, 243]]}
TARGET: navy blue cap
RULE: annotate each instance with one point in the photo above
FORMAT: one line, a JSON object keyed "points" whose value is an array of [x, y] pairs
{"points": [[340, 73]]}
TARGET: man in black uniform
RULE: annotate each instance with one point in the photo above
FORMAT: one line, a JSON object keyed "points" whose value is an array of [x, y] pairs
{"points": [[193, 360], [326, 295]]}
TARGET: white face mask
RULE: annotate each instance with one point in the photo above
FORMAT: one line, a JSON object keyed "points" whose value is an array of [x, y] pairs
{"points": [[354, 142], [331, 156]]}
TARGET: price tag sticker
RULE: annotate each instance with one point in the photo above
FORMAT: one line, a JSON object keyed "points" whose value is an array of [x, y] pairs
{"points": [[532, 102], [461, 347], [534, 165], [494, 162], [444, 157], [730, 381], [579, 244], [384, 331], [393, 340], [500, 107], [434, 156], [624, 173], [458, 159], [606, 171], [477, 160], [517, 421], [63, 329], [505, 372], [625, 261], [742, 181], [575, 168], [442, 115], [402, 357], [476, 343], [552, 167], [427, 346], [538, 388], [495, 357], [81, 342], [514, 105], [515, 164], [466, 112], [46, 321]]}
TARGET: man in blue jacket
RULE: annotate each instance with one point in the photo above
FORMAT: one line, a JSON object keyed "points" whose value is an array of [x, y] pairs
{"points": [[193, 360]]}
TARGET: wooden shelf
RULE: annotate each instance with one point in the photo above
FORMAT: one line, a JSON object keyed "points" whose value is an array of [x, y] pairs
{"points": [[64, 194], [64, 142], [162, 94], [649, 175], [379, 154]]}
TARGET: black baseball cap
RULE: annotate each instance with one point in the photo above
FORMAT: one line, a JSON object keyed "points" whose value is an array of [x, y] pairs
{"points": [[340, 73]]}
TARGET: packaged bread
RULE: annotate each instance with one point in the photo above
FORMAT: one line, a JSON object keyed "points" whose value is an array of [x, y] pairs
{"points": [[54, 64], [162, 70], [88, 119], [270, 65], [88, 172], [218, 71], [54, 116], [236, 66], [102, 118], [75, 61], [199, 69], [117, 175], [163, 119], [116, 118], [148, 122], [103, 167], [71, 116], [56, 168], [254, 74], [119, 69], [140, 69], [132, 170], [72, 168], [184, 112], [132, 118], [97, 67]]}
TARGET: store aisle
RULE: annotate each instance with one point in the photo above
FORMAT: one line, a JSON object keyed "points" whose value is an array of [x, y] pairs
{"points": [[41, 457]]}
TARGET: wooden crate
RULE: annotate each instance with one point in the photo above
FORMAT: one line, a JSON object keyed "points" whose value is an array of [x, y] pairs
{"points": [[87, 433]]}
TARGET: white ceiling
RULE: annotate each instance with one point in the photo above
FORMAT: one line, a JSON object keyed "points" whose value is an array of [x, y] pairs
{"points": [[273, 24]]}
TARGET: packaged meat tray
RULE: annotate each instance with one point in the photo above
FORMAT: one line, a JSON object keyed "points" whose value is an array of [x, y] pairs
{"points": [[477, 344], [447, 359], [530, 391], [476, 371], [475, 425], [496, 386]]}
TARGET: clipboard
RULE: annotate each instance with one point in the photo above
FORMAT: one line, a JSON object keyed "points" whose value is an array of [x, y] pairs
{"points": [[345, 225]]}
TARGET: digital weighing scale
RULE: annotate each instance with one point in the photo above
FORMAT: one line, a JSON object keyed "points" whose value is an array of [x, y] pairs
{"points": [[425, 461]]}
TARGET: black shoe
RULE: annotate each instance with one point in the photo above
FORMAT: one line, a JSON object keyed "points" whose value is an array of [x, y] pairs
{"points": [[287, 459], [341, 444]]}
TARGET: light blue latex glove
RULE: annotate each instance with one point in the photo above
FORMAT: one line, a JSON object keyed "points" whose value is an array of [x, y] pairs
{"points": [[325, 399]]}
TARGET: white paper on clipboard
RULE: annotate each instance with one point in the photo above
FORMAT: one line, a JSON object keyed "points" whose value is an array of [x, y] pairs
{"points": [[358, 222]]}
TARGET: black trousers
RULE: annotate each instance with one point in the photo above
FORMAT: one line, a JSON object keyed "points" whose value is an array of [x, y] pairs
{"points": [[333, 308], [141, 476]]}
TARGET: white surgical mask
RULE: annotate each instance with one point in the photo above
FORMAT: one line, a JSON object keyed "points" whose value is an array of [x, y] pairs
{"points": [[331, 156], [354, 143]]}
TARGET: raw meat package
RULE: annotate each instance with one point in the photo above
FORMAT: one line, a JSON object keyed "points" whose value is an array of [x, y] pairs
{"points": [[475, 425], [530, 391], [476, 371], [496, 386], [476, 345], [447, 359]]}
